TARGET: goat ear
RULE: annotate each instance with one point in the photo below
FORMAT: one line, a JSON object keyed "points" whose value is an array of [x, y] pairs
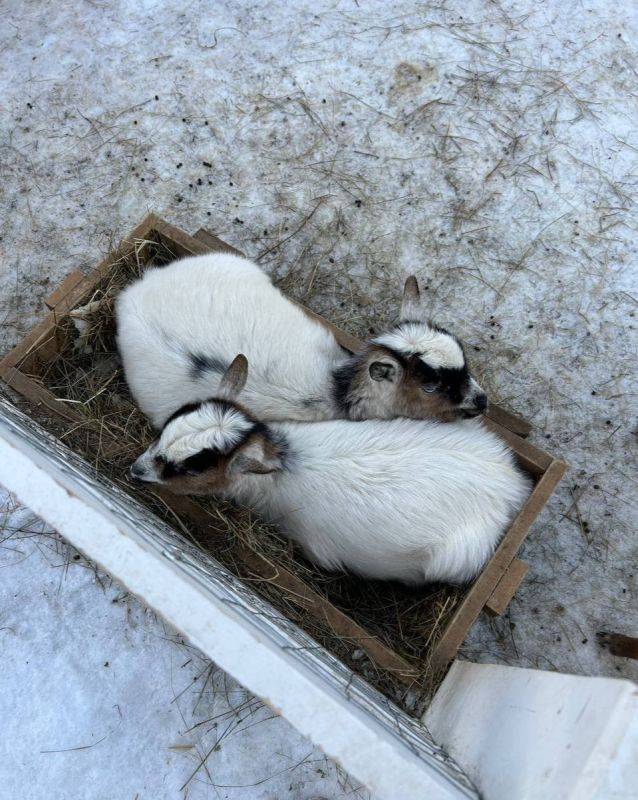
{"points": [[382, 371], [254, 466], [254, 458], [411, 307], [234, 379]]}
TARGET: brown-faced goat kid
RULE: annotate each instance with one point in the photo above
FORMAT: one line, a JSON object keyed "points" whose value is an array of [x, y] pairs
{"points": [[179, 327]]}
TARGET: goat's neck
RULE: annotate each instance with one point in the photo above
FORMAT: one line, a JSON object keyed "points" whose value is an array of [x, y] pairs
{"points": [[354, 396], [256, 490], [344, 393]]}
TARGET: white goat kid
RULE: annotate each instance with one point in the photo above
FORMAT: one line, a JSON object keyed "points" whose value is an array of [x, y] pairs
{"points": [[402, 499], [179, 327]]}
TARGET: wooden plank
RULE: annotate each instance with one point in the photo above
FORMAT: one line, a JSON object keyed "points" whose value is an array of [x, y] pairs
{"points": [[45, 354], [485, 584], [36, 337], [141, 232], [506, 588], [178, 241], [40, 346], [508, 420], [37, 395], [214, 243], [298, 592], [70, 282], [532, 458]]}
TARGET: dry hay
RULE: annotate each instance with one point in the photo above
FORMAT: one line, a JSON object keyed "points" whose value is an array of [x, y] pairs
{"points": [[87, 375]]}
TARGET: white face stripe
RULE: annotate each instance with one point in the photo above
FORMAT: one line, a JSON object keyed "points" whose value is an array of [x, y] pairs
{"points": [[211, 426], [437, 349]]}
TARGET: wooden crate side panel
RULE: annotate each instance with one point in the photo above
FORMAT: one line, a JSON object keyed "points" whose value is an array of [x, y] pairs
{"points": [[36, 338], [38, 396], [214, 243], [479, 594], [178, 241], [509, 420], [506, 588], [70, 282], [531, 458]]}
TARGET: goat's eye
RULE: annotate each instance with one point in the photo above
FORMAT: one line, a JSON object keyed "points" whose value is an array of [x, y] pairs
{"points": [[430, 387]]}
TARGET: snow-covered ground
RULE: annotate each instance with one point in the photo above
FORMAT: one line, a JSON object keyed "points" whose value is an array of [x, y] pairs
{"points": [[488, 146]]}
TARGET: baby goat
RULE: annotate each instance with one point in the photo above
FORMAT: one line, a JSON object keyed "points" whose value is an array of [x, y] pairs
{"points": [[402, 499], [179, 327]]}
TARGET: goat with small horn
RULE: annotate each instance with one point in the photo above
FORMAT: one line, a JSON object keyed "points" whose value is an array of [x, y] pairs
{"points": [[179, 327], [403, 499]]}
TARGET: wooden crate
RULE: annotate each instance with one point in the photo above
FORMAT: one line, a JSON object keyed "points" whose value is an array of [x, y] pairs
{"points": [[491, 590]]}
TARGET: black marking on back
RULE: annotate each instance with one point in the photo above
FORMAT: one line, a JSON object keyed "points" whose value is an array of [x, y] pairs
{"points": [[279, 440], [201, 363], [312, 402]]}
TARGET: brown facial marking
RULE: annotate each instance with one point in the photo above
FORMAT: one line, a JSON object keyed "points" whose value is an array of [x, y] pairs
{"points": [[416, 403], [271, 451], [410, 400], [216, 480], [211, 481]]}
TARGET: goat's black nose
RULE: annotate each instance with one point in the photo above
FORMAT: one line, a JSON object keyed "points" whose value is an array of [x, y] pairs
{"points": [[480, 402], [136, 472]]}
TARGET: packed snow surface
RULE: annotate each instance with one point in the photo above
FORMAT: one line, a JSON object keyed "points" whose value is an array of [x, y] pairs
{"points": [[489, 147]]}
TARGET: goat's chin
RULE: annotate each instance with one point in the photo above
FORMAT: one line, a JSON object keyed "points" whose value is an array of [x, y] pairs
{"points": [[464, 413], [186, 491]]}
